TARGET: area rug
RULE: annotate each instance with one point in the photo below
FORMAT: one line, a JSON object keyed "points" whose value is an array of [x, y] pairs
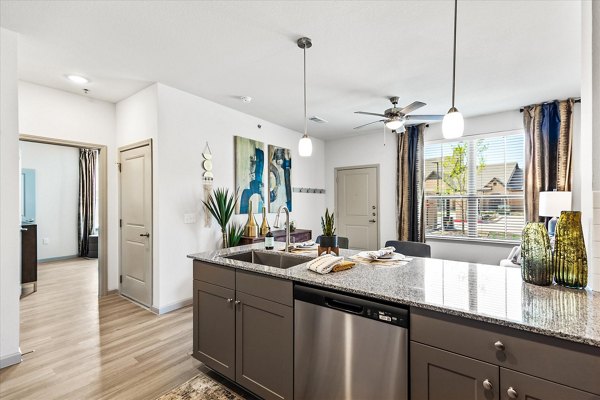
{"points": [[200, 387]]}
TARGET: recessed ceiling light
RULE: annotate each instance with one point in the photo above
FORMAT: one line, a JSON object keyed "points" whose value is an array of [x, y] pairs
{"points": [[246, 99], [78, 79]]}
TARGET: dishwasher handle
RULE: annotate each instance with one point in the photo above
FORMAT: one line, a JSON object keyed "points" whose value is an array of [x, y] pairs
{"points": [[344, 306]]}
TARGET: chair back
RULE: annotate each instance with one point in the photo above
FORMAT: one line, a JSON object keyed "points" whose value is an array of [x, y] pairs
{"points": [[343, 242], [414, 249]]}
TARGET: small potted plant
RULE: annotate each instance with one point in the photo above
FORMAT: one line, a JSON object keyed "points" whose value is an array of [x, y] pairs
{"points": [[329, 238]]}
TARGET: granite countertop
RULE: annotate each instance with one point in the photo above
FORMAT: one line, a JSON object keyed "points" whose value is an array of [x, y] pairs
{"points": [[477, 291]]}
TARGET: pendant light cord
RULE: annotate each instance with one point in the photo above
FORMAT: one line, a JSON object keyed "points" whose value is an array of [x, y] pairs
{"points": [[305, 122], [454, 53]]}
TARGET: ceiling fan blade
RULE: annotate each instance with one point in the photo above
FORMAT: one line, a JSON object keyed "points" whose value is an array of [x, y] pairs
{"points": [[425, 117], [368, 113], [374, 122], [412, 107]]}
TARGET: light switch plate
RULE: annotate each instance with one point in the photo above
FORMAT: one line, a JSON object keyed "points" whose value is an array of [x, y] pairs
{"points": [[189, 218], [45, 240]]}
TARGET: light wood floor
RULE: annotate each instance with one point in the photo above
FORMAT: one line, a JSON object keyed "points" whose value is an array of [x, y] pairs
{"points": [[85, 348]]}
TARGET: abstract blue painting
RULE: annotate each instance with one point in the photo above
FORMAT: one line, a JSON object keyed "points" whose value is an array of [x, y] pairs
{"points": [[280, 178], [249, 167]]}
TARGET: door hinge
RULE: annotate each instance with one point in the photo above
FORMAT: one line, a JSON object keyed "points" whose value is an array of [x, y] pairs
{"points": [[120, 223], [119, 166], [120, 278]]}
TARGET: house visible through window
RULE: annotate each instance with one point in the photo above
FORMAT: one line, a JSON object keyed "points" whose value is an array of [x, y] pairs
{"points": [[474, 188]]}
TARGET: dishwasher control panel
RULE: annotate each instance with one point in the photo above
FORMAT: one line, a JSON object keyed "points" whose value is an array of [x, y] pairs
{"points": [[386, 316]]}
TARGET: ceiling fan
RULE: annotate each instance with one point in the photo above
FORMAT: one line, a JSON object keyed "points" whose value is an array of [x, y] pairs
{"points": [[396, 118]]}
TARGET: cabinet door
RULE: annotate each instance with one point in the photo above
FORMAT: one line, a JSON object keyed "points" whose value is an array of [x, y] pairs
{"points": [[440, 375], [516, 385], [264, 347], [214, 327]]}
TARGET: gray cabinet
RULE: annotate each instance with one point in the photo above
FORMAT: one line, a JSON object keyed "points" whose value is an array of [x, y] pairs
{"points": [[214, 327], [441, 375], [457, 358], [264, 347], [244, 327], [516, 385]]}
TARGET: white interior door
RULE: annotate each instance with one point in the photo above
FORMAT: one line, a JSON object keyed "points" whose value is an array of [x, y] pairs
{"points": [[136, 224], [357, 207]]}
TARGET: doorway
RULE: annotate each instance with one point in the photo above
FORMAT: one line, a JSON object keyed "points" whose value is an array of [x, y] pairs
{"points": [[28, 206], [357, 205], [135, 205]]}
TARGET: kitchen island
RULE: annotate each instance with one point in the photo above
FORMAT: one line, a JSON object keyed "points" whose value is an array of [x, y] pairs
{"points": [[469, 320]]}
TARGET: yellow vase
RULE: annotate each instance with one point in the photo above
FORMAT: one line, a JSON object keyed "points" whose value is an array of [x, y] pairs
{"points": [[570, 257]]}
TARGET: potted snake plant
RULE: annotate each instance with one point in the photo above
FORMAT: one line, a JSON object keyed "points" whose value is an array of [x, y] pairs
{"points": [[329, 238], [221, 204]]}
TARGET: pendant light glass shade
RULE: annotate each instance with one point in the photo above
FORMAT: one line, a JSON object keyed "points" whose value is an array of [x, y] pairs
{"points": [[305, 146], [453, 124]]}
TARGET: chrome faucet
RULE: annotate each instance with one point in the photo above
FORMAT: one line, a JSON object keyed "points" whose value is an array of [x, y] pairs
{"points": [[287, 225]]}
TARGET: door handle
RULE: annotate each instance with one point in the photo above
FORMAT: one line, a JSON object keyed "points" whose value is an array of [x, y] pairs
{"points": [[23, 229], [147, 234], [372, 220]]}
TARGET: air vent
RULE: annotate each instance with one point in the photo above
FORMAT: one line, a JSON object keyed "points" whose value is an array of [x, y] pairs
{"points": [[318, 120]]}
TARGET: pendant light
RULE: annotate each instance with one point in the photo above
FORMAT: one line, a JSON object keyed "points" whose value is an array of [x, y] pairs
{"points": [[453, 124], [305, 144]]}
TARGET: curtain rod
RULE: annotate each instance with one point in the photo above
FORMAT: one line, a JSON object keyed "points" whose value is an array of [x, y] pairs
{"points": [[575, 100]]}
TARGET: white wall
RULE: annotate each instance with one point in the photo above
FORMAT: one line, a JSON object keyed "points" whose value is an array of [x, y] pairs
{"points": [[56, 197], [367, 150], [10, 235], [184, 124], [57, 114], [590, 140]]}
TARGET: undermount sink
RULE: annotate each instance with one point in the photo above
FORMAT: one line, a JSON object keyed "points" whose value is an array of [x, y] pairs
{"points": [[269, 258]]}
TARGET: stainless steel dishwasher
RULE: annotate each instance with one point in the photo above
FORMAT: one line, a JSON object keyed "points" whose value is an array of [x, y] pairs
{"points": [[348, 348]]}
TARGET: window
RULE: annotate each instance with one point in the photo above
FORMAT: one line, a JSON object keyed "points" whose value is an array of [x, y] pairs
{"points": [[474, 187]]}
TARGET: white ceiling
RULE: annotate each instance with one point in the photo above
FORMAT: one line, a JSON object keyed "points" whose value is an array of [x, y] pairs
{"points": [[510, 53]]}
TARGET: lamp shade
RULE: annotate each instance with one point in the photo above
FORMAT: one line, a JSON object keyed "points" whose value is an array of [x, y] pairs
{"points": [[552, 203], [453, 124], [305, 147]]}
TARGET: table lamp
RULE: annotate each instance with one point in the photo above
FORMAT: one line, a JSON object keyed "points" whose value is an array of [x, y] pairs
{"points": [[551, 204]]}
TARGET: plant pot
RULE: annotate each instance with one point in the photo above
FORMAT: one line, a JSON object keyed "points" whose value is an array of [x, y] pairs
{"points": [[329, 241]]}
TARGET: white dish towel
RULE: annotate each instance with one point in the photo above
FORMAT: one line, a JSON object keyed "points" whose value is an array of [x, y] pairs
{"points": [[375, 254], [324, 264]]}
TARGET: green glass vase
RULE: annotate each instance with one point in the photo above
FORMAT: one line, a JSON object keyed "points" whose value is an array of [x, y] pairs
{"points": [[536, 255], [570, 257]]}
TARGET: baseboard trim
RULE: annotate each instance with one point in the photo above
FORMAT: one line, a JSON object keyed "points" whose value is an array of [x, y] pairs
{"points": [[171, 307], [12, 359], [50, 259]]}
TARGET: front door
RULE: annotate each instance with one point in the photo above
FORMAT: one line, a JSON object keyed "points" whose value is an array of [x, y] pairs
{"points": [[136, 223], [357, 207]]}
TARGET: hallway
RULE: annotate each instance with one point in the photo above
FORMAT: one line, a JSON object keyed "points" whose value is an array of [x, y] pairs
{"points": [[84, 348]]}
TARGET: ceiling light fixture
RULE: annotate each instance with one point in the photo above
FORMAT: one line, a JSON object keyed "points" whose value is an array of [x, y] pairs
{"points": [[78, 79], [305, 144], [453, 124], [394, 123]]}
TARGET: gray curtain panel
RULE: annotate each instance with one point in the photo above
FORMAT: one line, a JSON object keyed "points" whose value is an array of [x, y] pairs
{"points": [[548, 151], [410, 194], [88, 160]]}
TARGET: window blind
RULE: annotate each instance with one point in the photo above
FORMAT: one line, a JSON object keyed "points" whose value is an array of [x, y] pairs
{"points": [[474, 188]]}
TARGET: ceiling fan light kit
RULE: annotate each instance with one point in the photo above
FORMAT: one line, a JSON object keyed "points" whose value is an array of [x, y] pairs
{"points": [[394, 124], [305, 144], [453, 124]]}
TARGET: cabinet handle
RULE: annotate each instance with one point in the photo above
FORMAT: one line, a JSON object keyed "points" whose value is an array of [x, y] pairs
{"points": [[145, 234], [512, 393], [499, 346], [372, 220], [487, 385], [229, 300], [238, 302]]}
